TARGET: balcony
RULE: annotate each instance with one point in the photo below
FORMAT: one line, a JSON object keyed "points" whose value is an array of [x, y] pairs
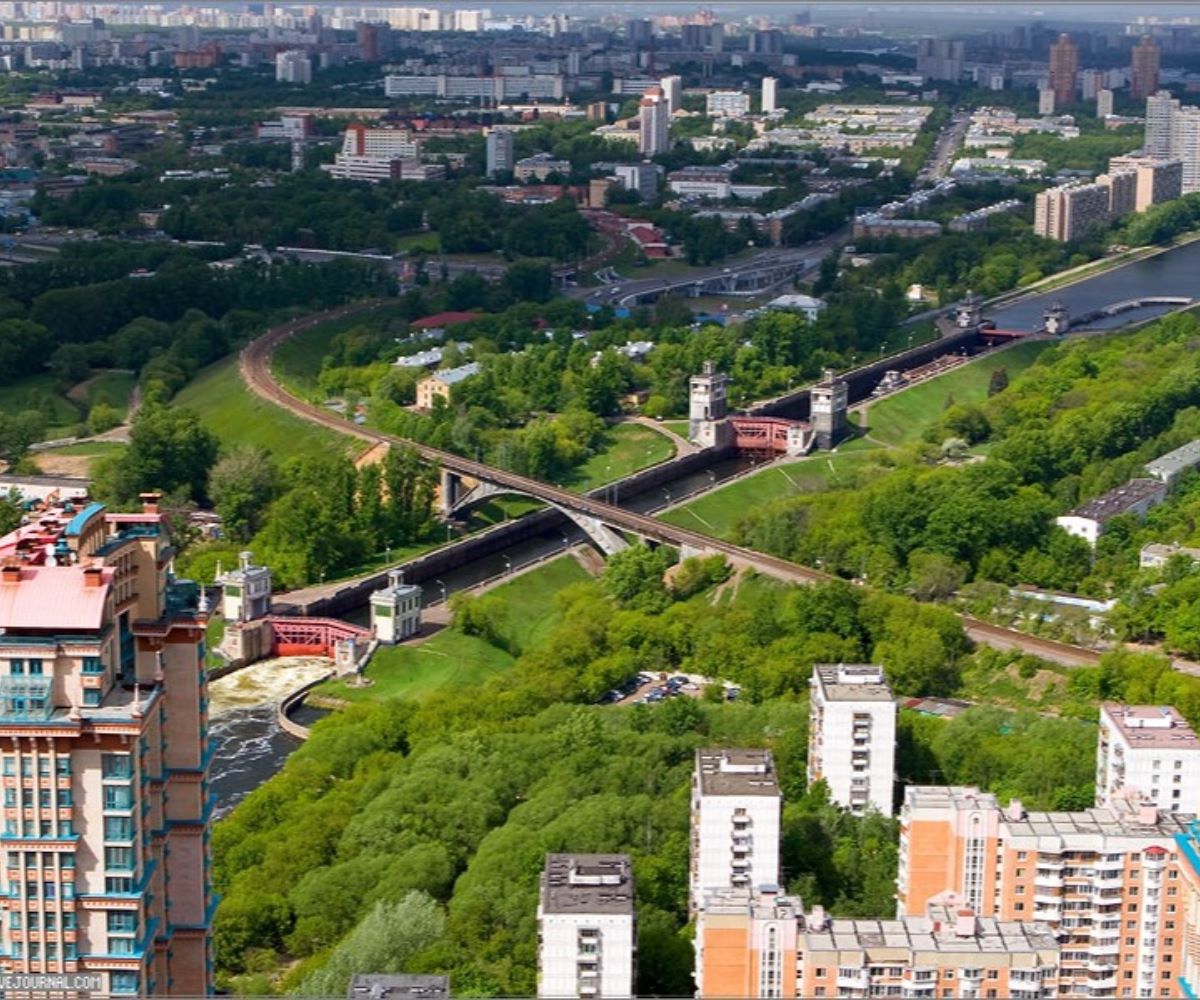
{"points": [[858, 980], [1047, 880], [1047, 897]]}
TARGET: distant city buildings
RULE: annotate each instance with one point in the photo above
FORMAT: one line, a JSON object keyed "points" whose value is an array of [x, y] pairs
{"points": [[500, 144], [293, 67], [640, 177], [727, 104], [539, 167], [654, 123], [1143, 78], [587, 927], [852, 735], [381, 154], [940, 58], [672, 88], [770, 91], [1064, 70]]}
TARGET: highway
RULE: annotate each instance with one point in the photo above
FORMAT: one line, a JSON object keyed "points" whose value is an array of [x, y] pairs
{"points": [[255, 366]]}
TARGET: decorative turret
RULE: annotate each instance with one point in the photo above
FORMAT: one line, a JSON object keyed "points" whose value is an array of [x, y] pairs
{"points": [[246, 591], [707, 406], [396, 609], [829, 403]]}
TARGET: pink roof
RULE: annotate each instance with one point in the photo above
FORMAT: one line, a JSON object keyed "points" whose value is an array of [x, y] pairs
{"points": [[443, 319], [53, 597]]}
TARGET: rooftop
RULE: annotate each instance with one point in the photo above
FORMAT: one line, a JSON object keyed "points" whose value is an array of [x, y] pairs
{"points": [[946, 797], [851, 682], [1150, 727], [1120, 500], [1174, 462], [737, 772], [932, 934], [452, 376], [53, 597], [587, 883], [1124, 818], [398, 987]]}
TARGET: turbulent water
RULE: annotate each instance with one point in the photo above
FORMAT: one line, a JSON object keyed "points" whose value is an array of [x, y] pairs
{"points": [[248, 745]]}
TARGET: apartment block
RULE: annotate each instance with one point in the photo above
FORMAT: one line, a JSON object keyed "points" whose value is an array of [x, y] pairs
{"points": [[1144, 63], [736, 806], [852, 735], [1150, 751], [1159, 109], [1105, 880], [727, 104], [1068, 212], [654, 123], [587, 928], [500, 156], [1122, 188], [1064, 69], [104, 754], [770, 94], [765, 945], [1157, 180], [672, 88]]}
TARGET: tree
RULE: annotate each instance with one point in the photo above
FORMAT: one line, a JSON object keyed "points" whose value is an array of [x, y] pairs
{"points": [[103, 417], [998, 381], [169, 450], [241, 485], [634, 576], [529, 281], [386, 939]]}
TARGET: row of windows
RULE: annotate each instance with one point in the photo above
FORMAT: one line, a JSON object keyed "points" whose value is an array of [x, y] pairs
{"points": [[64, 797], [49, 890], [62, 766], [18, 668], [34, 859], [34, 921], [45, 828], [70, 950]]}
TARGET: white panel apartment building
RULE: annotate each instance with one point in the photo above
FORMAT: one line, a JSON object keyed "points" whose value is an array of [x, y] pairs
{"points": [[586, 927], [735, 822], [1150, 750], [852, 735]]}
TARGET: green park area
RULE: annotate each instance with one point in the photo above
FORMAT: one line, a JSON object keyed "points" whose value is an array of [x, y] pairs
{"points": [[523, 611], [899, 419], [297, 361], [238, 417], [65, 408], [718, 512], [626, 449]]}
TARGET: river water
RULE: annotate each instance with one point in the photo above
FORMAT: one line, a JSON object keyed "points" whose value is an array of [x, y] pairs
{"points": [[1171, 273], [248, 745]]}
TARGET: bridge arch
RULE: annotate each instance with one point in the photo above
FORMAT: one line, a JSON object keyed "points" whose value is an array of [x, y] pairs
{"points": [[602, 536]]}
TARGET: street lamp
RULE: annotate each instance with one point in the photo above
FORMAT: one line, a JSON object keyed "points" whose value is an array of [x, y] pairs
{"points": [[507, 564], [443, 586], [667, 494]]}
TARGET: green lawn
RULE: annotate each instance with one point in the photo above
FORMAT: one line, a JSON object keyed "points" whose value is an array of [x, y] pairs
{"points": [[901, 418], [238, 417], [680, 427], [28, 394], [297, 361], [628, 448], [717, 513], [429, 242], [89, 449], [450, 657], [112, 388]]}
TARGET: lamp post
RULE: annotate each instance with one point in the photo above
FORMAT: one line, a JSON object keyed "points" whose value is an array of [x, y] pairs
{"points": [[443, 586], [507, 564]]}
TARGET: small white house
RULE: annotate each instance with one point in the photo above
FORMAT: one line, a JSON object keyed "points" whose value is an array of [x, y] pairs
{"points": [[806, 304]]}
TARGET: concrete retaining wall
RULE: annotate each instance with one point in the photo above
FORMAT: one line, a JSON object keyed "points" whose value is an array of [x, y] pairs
{"points": [[290, 702]]}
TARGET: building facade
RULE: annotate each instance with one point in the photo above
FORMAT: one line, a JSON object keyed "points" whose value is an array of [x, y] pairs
{"points": [[293, 67], [587, 929], [1068, 212], [1105, 880], [104, 755], [736, 806], [852, 735], [770, 94], [1157, 180], [500, 155], [1149, 751], [727, 104], [1064, 70], [1144, 62], [654, 124]]}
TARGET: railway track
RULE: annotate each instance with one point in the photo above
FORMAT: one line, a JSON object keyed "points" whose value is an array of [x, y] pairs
{"points": [[255, 366]]}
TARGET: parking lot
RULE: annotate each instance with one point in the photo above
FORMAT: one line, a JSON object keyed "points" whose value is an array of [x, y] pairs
{"points": [[649, 689]]}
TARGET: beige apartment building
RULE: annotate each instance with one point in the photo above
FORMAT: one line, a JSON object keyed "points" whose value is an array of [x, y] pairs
{"points": [[104, 755]]}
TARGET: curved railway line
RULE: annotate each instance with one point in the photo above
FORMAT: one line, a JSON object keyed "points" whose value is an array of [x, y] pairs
{"points": [[255, 366]]}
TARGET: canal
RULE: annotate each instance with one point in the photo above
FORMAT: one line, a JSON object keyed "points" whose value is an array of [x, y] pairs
{"points": [[1170, 273], [248, 745]]}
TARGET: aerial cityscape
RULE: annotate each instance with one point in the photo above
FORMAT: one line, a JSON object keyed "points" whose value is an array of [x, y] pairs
{"points": [[600, 501]]}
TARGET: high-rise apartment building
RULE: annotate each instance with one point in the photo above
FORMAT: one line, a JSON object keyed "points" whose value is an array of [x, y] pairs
{"points": [[1068, 212], [1144, 62], [770, 94], [1150, 751], [1157, 180], [587, 927], [736, 805], [1090, 83], [639, 177], [765, 945], [852, 735], [1106, 880], [1185, 145], [1160, 108], [654, 124], [727, 104], [1104, 102], [940, 58], [1122, 192], [1045, 101], [500, 155], [639, 31], [672, 88], [1064, 70], [293, 67], [104, 755]]}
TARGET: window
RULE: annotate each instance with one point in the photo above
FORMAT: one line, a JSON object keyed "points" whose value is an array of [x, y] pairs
{"points": [[44, 798], [35, 951], [10, 766], [116, 765], [118, 884], [122, 922], [51, 951], [1019, 907], [123, 982], [118, 828], [16, 667], [51, 921], [10, 796], [120, 946], [68, 921], [49, 890], [92, 665], [118, 797], [91, 697], [35, 668], [118, 859], [34, 918], [14, 920], [66, 828], [70, 951], [63, 766]]}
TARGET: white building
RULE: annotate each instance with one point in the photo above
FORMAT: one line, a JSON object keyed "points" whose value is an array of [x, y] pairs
{"points": [[293, 66], [245, 591], [794, 302], [852, 735], [500, 156], [770, 94], [1159, 109], [1045, 101], [587, 930], [1169, 467], [1149, 750], [727, 104], [1135, 497], [735, 822], [672, 88], [396, 609], [654, 124], [639, 177], [1104, 102]]}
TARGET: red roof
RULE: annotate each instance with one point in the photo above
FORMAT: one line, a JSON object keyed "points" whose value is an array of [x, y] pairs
{"points": [[53, 597], [443, 319]]}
